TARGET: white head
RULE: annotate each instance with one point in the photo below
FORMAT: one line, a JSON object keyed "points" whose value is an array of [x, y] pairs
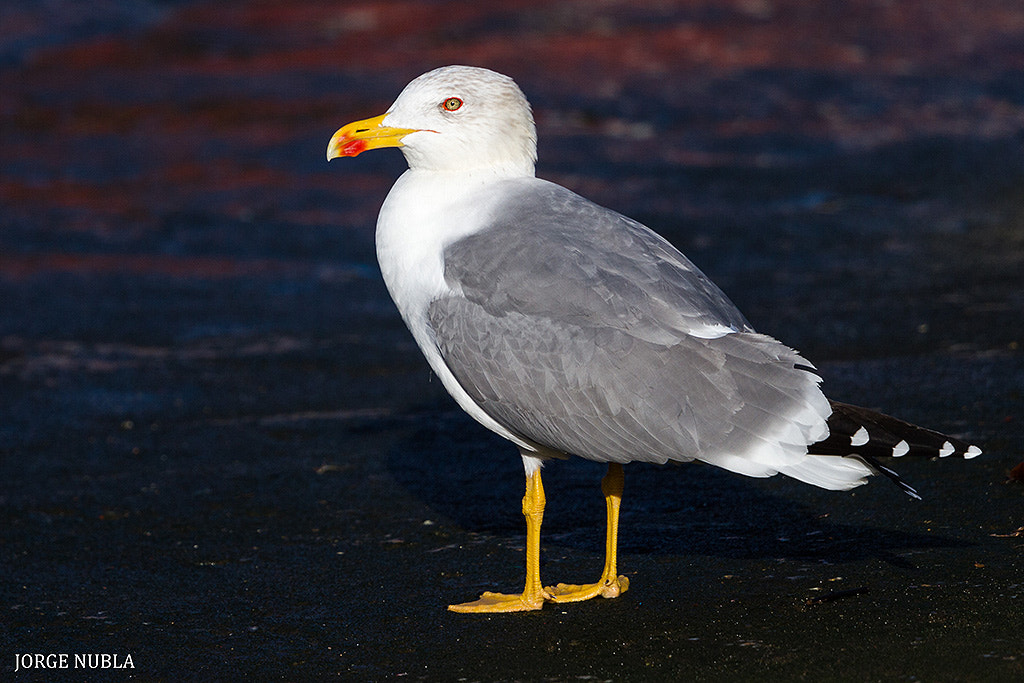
{"points": [[450, 119]]}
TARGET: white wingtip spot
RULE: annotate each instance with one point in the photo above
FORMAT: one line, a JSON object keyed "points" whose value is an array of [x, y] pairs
{"points": [[860, 438], [902, 448], [710, 331], [946, 450], [972, 452]]}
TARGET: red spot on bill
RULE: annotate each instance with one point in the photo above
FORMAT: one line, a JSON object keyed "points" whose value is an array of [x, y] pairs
{"points": [[352, 148]]}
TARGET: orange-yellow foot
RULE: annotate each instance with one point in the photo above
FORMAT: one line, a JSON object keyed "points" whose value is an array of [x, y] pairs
{"points": [[607, 588], [502, 602]]}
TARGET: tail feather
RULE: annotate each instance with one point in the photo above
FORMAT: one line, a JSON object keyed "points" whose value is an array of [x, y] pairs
{"points": [[867, 435]]}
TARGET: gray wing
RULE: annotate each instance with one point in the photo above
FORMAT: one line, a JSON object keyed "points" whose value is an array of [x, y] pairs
{"points": [[585, 332], [550, 252]]}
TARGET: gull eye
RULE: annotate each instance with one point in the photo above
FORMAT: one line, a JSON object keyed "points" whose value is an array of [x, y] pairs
{"points": [[452, 104]]}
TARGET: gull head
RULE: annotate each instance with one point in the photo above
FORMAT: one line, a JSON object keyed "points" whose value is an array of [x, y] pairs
{"points": [[456, 118]]}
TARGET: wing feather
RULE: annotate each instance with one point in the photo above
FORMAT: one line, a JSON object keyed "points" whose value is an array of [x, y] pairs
{"points": [[584, 332]]}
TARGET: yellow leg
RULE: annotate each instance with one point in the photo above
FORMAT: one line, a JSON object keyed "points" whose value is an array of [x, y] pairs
{"points": [[533, 595], [611, 585]]}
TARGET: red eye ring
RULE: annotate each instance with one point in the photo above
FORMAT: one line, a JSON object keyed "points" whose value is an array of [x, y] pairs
{"points": [[452, 104]]}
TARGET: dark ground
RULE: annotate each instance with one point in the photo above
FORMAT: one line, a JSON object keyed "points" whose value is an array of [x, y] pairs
{"points": [[223, 456]]}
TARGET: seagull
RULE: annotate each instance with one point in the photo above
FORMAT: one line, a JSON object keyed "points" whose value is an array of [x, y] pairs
{"points": [[572, 330]]}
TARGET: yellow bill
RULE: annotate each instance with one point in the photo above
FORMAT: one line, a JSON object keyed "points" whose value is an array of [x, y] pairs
{"points": [[359, 136]]}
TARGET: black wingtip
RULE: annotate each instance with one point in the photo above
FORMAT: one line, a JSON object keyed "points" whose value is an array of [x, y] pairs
{"points": [[867, 435], [859, 431], [890, 475]]}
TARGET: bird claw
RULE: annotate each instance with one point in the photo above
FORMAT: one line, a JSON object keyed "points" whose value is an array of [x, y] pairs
{"points": [[606, 588], [490, 603]]}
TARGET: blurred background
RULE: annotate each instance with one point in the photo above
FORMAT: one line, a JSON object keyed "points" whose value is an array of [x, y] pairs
{"points": [[221, 451]]}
